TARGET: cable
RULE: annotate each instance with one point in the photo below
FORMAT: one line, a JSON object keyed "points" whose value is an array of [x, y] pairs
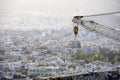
{"points": [[100, 14], [95, 27]]}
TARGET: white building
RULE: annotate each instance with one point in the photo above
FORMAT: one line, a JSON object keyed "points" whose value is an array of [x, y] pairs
{"points": [[14, 65], [15, 54], [30, 66], [43, 71], [90, 67]]}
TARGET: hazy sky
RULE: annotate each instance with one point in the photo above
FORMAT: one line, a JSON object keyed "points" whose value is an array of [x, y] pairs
{"points": [[34, 7]]}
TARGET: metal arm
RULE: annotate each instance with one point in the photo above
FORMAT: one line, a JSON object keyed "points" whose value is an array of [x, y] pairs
{"points": [[98, 28], [94, 15]]}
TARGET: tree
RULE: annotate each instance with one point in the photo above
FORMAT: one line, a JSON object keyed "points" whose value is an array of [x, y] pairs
{"points": [[103, 55], [117, 58], [92, 58]]}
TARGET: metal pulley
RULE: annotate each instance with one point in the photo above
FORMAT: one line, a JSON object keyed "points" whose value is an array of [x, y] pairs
{"points": [[75, 30], [74, 42]]}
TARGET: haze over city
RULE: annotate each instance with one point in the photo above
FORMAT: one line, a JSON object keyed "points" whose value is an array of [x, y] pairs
{"points": [[47, 38]]}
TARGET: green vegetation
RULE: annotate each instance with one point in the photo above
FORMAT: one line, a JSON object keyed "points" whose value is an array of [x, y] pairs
{"points": [[103, 55]]}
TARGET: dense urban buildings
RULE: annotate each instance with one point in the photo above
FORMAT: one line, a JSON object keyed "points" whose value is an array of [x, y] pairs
{"points": [[45, 49]]}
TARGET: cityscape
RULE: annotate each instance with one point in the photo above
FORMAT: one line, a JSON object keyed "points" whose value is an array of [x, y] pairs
{"points": [[59, 40], [39, 53]]}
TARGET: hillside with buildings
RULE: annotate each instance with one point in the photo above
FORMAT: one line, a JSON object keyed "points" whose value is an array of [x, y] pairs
{"points": [[44, 50]]}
